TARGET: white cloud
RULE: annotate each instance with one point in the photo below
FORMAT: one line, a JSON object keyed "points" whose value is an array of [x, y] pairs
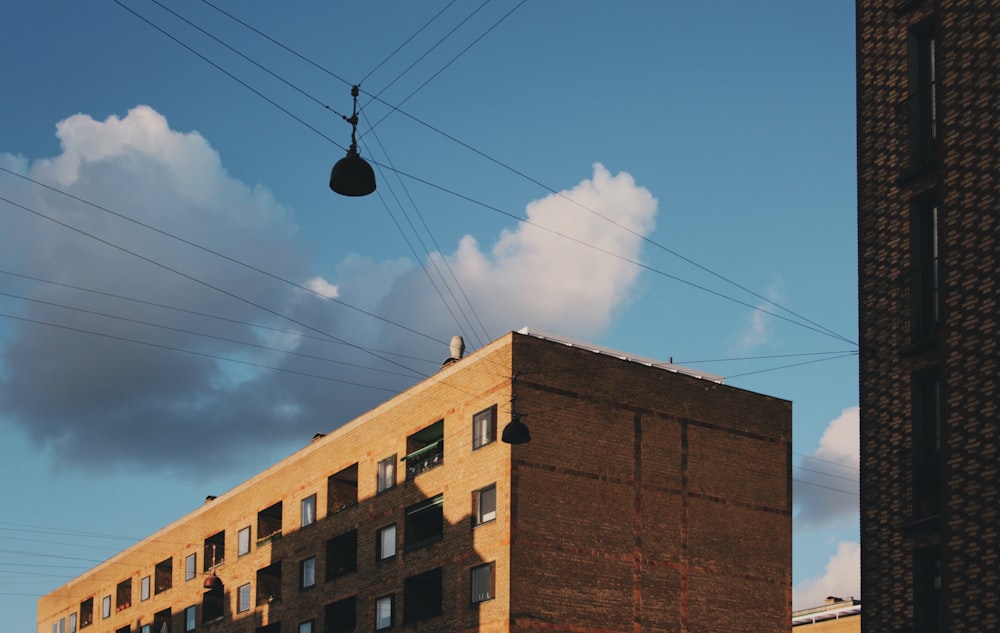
{"points": [[826, 486], [841, 578], [758, 330], [322, 287]]}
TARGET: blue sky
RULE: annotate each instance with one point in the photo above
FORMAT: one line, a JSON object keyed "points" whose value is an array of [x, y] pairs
{"points": [[167, 235]]}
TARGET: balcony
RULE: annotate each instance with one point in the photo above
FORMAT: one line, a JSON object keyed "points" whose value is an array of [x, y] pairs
{"points": [[425, 450]]}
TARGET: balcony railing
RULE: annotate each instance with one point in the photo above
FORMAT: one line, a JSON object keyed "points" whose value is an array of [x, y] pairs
{"points": [[424, 459]]}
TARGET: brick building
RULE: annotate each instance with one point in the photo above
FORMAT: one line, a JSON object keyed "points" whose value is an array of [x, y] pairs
{"points": [[647, 499], [837, 615], [928, 83]]}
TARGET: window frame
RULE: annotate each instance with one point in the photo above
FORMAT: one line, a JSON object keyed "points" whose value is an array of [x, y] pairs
{"points": [[307, 573], [244, 598], [310, 624], [420, 517], [244, 541], [380, 554], [190, 618], [307, 511], [106, 607], [145, 588], [488, 418], [478, 516], [190, 567], [390, 600], [490, 568]]}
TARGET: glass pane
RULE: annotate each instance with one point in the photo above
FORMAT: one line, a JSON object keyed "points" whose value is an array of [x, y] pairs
{"points": [[387, 543]]}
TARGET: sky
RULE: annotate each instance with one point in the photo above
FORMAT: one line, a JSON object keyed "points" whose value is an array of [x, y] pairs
{"points": [[184, 302]]}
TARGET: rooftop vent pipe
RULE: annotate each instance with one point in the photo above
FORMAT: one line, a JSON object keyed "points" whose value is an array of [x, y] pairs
{"points": [[457, 350]]}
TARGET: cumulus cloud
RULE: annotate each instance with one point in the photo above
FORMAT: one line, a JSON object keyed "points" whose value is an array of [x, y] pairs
{"points": [[841, 578], [758, 330], [826, 486], [139, 350]]}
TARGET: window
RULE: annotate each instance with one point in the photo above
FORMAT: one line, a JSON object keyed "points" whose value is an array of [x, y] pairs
{"points": [[190, 618], [269, 584], [161, 621], [484, 427], [383, 612], [215, 550], [385, 545], [144, 586], [62, 625], [106, 607], [921, 104], [124, 629], [243, 541], [342, 554], [342, 490], [190, 566], [922, 280], [72, 623], [146, 628], [341, 616], [424, 450], [163, 576], [86, 612], [307, 573], [424, 523], [306, 627], [269, 524], [213, 604], [927, 596], [273, 627], [308, 510], [422, 596], [485, 504], [926, 440], [243, 598], [387, 474], [481, 582], [123, 595]]}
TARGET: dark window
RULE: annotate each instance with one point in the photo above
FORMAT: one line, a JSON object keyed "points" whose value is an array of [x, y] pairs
{"points": [[481, 582], [485, 504], [927, 591], [424, 523], [924, 276], [269, 524], [161, 621], [387, 474], [341, 616], [215, 550], [213, 604], [926, 442], [307, 573], [425, 450], [273, 627], [86, 612], [920, 107], [269, 584], [422, 596], [384, 611], [484, 427], [164, 576], [123, 595], [124, 629], [385, 542], [342, 490], [342, 554]]}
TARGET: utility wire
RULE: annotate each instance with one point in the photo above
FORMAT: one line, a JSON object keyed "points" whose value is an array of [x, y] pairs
{"points": [[401, 46]]}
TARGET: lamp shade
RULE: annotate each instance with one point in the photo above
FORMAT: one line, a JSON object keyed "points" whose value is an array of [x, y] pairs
{"points": [[212, 582], [352, 175], [516, 432]]}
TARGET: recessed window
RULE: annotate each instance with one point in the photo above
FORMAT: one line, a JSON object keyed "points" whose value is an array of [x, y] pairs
{"points": [[243, 598], [106, 607], [123, 595], [481, 581], [484, 503], [424, 523], [424, 450], [422, 596], [124, 629], [86, 612], [163, 575], [269, 524], [161, 620], [307, 573], [342, 490], [308, 510], [213, 604], [306, 627], [190, 566], [72, 623], [243, 541], [387, 474], [146, 628], [215, 550], [144, 588], [342, 554], [341, 616], [484, 427], [383, 612], [385, 544], [269, 584], [190, 618]]}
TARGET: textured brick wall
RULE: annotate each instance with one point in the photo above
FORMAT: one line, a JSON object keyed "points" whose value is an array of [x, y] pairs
{"points": [[964, 180]]}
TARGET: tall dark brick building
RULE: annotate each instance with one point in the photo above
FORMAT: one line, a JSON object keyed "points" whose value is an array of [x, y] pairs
{"points": [[929, 284], [648, 498]]}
